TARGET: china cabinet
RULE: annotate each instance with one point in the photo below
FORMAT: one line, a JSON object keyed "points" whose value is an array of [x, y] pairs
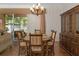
{"points": [[69, 36]]}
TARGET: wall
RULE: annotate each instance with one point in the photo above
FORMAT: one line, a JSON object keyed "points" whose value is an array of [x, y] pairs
{"points": [[53, 19], [34, 23], [67, 6]]}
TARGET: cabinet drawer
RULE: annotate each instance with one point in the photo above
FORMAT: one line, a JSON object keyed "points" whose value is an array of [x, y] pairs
{"points": [[75, 49]]}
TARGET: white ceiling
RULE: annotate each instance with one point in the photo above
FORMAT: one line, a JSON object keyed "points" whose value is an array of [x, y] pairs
{"points": [[61, 6]]}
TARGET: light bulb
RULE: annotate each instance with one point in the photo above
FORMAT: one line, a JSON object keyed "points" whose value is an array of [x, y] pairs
{"points": [[42, 8], [38, 4], [33, 6], [37, 7], [32, 10]]}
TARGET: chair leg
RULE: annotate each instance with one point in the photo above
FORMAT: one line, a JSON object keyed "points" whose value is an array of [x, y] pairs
{"points": [[53, 52], [22, 50], [42, 54], [19, 51], [30, 53], [25, 52], [48, 52]]}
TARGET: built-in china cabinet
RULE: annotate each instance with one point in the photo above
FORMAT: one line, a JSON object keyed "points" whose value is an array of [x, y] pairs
{"points": [[69, 36]]}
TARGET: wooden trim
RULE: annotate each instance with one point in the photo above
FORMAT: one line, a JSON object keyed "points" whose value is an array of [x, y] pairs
{"points": [[16, 11]]}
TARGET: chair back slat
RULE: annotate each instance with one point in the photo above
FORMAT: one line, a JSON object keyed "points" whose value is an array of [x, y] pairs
{"points": [[19, 36], [35, 39], [53, 35]]}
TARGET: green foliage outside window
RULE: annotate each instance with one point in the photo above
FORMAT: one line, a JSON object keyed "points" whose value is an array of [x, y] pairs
{"points": [[17, 20]]}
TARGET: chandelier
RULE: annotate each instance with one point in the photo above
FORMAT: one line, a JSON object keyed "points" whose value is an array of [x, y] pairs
{"points": [[37, 9]]}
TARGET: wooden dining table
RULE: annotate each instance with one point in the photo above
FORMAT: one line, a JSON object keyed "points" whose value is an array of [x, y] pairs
{"points": [[45, 40]]}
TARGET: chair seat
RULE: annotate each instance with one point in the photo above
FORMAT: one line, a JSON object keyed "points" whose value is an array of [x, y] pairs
{"points": [[22, 43], [50, 43], [36, 49]]}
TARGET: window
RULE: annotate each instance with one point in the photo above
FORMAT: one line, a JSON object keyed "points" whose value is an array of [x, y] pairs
{"points": [[18, 23]]}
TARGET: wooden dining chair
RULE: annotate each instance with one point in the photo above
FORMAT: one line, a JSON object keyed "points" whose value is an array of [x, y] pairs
{"points": [[23, 34], [36, 45], [50, 43], [22, 45]]}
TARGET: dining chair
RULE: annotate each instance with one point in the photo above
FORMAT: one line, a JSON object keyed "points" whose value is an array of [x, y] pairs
{"points": [[36, 45], [23, 34], [45, 41], [51, 42], [22, 45]]}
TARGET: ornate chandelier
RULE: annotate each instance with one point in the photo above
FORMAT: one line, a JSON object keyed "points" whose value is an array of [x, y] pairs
{"points": [[37, 9]]}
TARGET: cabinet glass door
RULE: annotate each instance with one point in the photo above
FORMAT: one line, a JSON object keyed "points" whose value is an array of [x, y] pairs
{"points": [[70, 23], [77, 22], [67, 23], [62, 24]]}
